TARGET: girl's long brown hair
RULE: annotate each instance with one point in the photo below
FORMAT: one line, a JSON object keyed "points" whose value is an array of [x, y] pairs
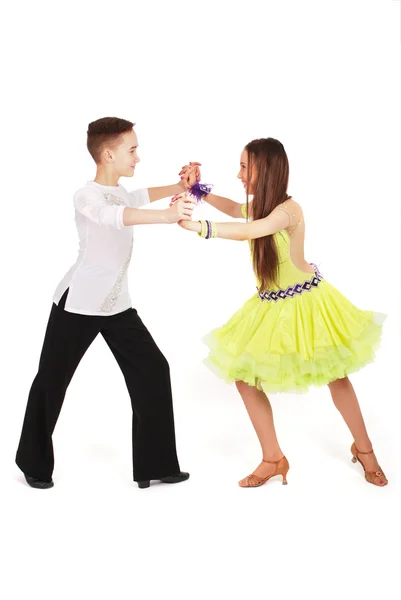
{"points": [[268, 157]]}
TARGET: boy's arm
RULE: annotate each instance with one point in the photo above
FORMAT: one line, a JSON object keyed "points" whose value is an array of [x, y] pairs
{"points": [[157, 193], [138, 216], [90, 205], [189, 175]]}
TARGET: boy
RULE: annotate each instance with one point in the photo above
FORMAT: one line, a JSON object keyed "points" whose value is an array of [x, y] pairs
{"points": [[93, 298]]}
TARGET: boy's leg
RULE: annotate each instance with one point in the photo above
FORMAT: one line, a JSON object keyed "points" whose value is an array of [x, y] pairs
{"points": [[147, 376], [67, 338]]}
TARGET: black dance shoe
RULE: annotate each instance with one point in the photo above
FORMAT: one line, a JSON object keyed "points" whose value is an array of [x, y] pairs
{"points": [[37, 483], [169, 479]]}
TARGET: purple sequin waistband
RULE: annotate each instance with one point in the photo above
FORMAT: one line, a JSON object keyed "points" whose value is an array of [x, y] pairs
{"points": [[291, 291]]}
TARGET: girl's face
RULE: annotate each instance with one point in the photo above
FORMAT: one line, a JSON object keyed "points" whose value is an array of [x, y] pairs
{"points": [[243, 173]]}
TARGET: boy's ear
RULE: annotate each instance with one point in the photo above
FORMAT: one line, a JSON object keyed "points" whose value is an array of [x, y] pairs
{"points": [[108, 155]]}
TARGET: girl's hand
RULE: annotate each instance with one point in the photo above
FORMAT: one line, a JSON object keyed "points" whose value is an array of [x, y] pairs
{"points": [[181, 210], [190, 174], [177, 197]]}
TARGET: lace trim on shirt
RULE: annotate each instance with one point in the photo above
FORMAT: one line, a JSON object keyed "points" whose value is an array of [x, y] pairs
{"points": [[110, 300], [112, 199]]}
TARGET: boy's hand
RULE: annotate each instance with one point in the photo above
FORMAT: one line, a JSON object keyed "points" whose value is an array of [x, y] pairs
{"points": [[190, 225], [190, 174], [181, 210]]}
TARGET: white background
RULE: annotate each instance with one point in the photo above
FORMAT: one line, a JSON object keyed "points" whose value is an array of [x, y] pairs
{"points": [[200, 80]]}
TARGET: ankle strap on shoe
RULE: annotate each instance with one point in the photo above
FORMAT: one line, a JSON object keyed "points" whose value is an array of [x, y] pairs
{"points": [[359, 452], [273, 462]]}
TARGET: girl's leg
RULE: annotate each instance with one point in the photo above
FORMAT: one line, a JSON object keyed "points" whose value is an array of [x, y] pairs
{"points": [[345, 400], [260, 412]]}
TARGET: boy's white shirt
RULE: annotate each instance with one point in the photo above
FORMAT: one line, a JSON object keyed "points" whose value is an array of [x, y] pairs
{"points": [[98, 282]]}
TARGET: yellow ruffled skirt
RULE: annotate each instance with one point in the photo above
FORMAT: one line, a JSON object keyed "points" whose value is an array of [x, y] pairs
{"points": [[295, 343]]}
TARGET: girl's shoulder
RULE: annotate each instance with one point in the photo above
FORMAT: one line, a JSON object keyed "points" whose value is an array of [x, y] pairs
{"points": [[294, 213], [292, 208]]}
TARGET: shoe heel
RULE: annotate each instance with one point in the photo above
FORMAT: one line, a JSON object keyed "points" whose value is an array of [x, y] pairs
{"points": [[285, 482], [143, 484], [354, 459]]}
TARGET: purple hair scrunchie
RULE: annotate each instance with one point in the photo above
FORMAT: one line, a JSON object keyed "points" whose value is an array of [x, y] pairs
{"points": [[199, 191]]}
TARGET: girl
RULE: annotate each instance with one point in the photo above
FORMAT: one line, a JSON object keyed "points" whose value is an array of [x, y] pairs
{"points": [[297, 330]]}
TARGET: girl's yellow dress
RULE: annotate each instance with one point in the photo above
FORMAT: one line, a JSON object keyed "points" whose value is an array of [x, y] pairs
{"points": [[302, 333]]}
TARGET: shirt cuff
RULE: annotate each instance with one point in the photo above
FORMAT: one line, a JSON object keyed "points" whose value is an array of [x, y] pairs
{"points": [[120, 217], [139, 198]]}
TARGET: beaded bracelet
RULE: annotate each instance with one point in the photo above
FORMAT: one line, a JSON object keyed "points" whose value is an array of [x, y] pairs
{"points": [[208, 230], [203, 231]]}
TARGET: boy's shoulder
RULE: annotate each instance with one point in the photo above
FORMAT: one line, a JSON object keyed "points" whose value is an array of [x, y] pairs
{"points": [[94, 193], [88, 191], [103, 189], [88, 186]]}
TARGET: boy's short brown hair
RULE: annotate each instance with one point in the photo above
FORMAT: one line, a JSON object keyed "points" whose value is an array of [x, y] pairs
{"points": [[106, 130]]}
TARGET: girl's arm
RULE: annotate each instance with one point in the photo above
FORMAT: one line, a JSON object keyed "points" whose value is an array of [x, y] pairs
{"points": [[136, 216], [225, 205], [276, 221]]}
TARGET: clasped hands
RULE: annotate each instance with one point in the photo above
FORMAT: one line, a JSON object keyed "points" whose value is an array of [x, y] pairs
{"points": [[181, 204]]}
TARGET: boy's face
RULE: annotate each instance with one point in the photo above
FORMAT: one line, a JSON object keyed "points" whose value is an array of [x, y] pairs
{"points": [[124, 156]]}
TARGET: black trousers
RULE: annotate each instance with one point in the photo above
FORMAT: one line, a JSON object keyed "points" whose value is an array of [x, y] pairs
{"points": [[146, 374]]}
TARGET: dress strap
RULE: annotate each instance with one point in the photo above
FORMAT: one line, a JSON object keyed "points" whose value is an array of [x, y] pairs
{"points": [[295, 227], [285, 209], [243, 211], [291, 227]]}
